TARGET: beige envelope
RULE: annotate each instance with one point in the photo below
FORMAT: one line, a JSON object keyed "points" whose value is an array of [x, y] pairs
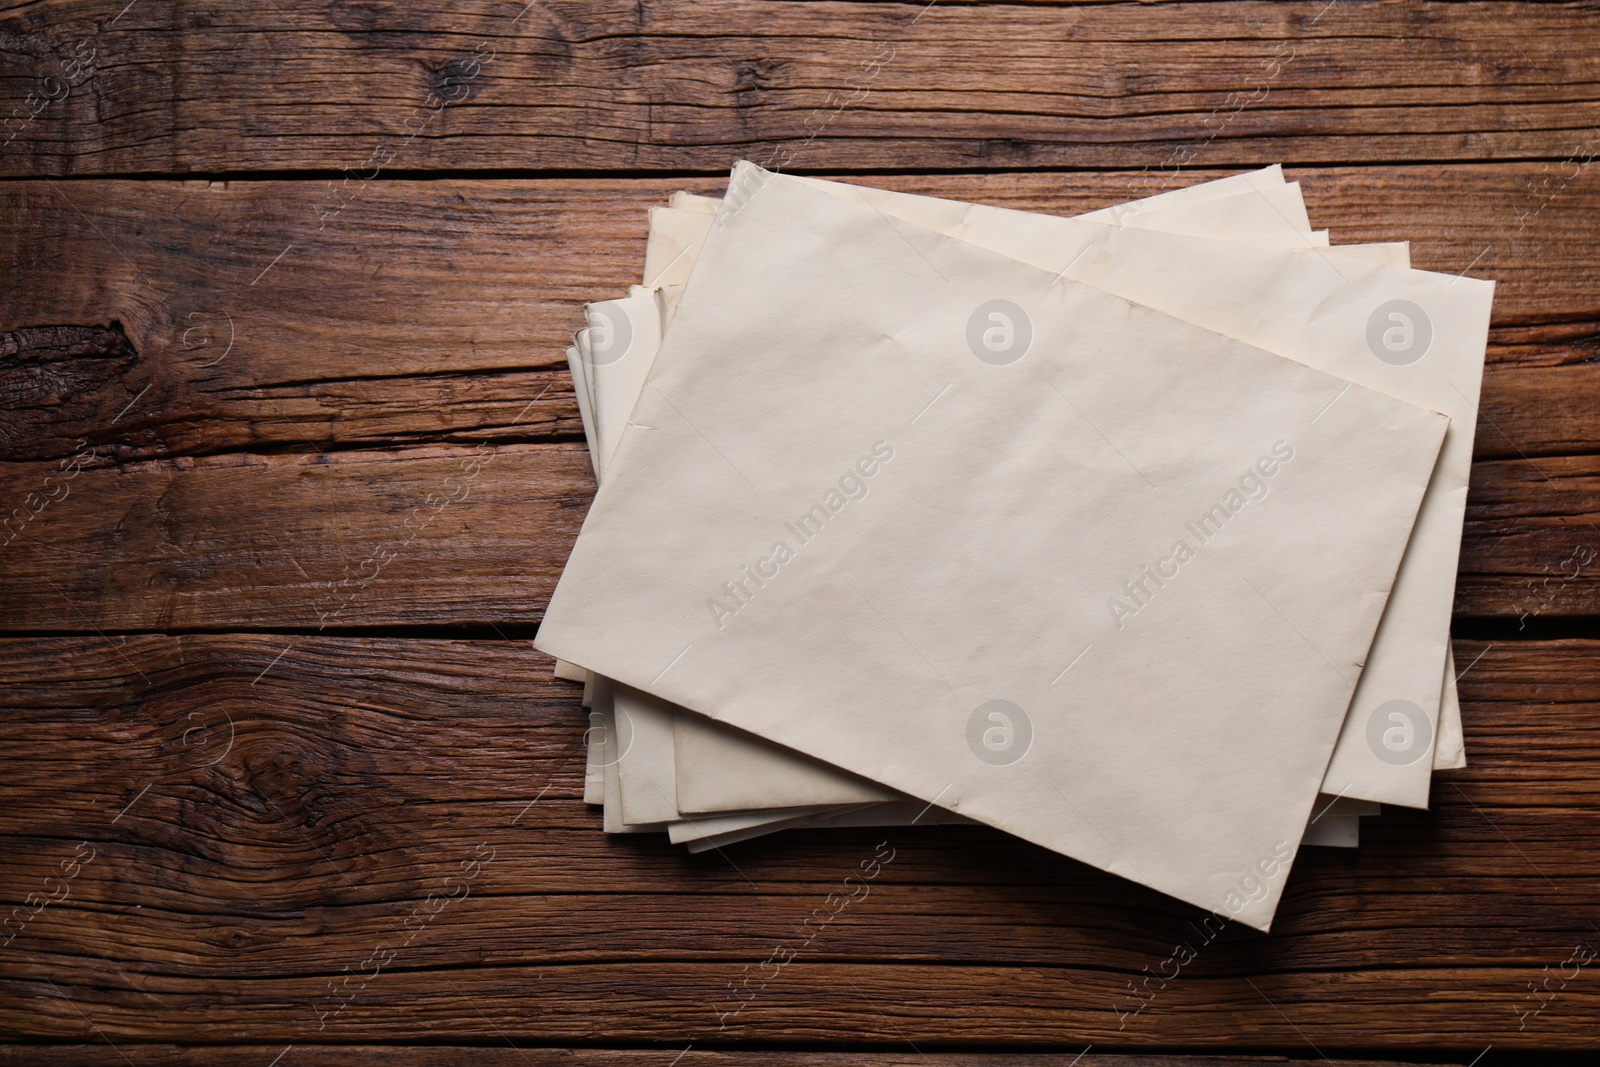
{"points": [[612, 820], [628, 330], [975, 579], [1330, 831], [1411, 643], [1449, 751], [720, 770], [827, 784], [707, 753], [580, 383], [894, 813], [1353, 312]]}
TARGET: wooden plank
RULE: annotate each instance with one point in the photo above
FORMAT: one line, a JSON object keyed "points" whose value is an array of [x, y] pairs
{"points": [[451, 535], [479, 1056], [176, 87], [437, 311], [246, 821], [1531, 545], [427, 535]]}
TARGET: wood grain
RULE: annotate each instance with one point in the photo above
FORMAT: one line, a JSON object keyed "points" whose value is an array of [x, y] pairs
{"points": [[457, 536], [266, 811], [1531, 547], [427, 535], [516, 1056], [189, 352], [174, 87], [248, 327]]}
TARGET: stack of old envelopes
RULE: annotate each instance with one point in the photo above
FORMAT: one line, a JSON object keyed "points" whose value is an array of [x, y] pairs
{"points": [[1132, 534]]}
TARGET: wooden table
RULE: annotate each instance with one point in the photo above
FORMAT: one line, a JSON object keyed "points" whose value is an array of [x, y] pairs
{"points": [[283, 780]]}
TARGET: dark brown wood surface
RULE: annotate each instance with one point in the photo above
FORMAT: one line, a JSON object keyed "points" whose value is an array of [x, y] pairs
{"points": [[290, 461], [256, 817], [214, 350], [516, 1056], [170, 86]]}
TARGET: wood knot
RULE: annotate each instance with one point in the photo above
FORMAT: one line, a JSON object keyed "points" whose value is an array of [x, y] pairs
{"points": [[452, 83], [58, 343], [59, 384], [754, 75]]}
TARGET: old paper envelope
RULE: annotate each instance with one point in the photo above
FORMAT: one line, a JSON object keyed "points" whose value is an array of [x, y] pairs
{"points": [[900, 633]]}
